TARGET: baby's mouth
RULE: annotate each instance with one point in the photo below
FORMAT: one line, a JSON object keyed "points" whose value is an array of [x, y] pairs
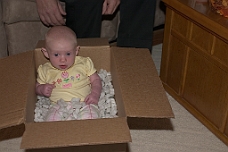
{"points": [[63, 66]]}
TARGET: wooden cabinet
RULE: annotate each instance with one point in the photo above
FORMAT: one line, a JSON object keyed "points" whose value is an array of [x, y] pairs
{"points": [[194, 66]]}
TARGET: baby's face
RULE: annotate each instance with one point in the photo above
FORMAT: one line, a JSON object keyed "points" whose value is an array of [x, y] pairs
{"points": [[62, 55]]}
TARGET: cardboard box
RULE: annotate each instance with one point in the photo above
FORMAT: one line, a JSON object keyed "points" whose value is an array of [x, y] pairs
{"points": [[138, 93]]}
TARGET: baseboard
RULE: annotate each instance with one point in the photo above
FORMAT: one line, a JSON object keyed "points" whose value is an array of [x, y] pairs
{"points": [[158, 36]]}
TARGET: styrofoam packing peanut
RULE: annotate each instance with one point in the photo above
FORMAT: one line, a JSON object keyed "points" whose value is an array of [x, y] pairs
{"points": [[113, 102], [45, 106], [108, 100], [113, 113], [108, 116], [106, 104], [102, 76], [102, 95], [75, 100], [108, 96], [101, 106], [108, 110], [112, 92]]}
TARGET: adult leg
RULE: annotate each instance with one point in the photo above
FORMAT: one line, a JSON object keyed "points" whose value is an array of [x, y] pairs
{"points": [[84, 17], [136, 23]]}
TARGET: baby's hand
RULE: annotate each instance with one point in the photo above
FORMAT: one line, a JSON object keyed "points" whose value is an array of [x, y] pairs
{"points": [[92, 98], [46, 89]]}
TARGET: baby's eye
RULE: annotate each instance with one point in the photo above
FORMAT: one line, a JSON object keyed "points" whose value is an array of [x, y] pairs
{"points": [[56, 54], [68, 54]]}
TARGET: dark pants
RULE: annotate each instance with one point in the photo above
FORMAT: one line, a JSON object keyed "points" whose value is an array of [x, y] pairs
{"points": [[136, 23], [84, 17], [136, 20]]}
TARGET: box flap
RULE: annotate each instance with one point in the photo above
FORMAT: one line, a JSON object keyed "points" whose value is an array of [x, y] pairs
{"points": [[75, 133], [14, 88], [142, 91], [88, 42]]}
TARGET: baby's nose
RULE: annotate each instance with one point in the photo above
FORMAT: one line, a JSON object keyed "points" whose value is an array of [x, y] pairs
{"points": [[62, 59]]}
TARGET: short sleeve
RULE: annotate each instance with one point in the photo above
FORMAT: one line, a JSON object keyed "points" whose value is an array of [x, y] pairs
{"points": [[89, 67], [41, 75]]}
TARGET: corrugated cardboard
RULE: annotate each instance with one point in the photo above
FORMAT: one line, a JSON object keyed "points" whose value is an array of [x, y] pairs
{"points": [[138, 93]]}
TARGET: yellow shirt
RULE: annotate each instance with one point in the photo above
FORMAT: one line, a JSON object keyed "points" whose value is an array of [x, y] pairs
{"points": [[74, 82]]}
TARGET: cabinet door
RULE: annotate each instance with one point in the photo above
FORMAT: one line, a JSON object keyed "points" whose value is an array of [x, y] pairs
{"points": [[176, 64], [205, 88]]}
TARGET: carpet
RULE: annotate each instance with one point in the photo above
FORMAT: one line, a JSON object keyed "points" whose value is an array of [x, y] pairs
{"points": [[184, 133]]}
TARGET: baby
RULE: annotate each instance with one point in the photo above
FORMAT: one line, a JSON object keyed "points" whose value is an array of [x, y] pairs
{"points": [[66, 75]]}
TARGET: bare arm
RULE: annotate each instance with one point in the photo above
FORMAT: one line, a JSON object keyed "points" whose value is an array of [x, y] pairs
{"points": [[109, 6], [50, 12], [96, 87]]}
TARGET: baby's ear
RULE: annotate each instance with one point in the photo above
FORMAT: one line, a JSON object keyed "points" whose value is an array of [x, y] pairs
{"points": [[45, 52], [77, 50]]}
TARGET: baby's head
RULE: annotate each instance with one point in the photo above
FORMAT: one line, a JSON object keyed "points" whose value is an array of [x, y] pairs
{"points": [[61, 47]]}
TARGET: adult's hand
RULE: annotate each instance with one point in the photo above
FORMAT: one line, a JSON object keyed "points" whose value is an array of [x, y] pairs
{"points": [[109, 6], [51, 12]]}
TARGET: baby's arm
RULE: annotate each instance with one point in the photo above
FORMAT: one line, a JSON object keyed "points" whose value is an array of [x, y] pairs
{"points": [[96, 87], [44, 89]]}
